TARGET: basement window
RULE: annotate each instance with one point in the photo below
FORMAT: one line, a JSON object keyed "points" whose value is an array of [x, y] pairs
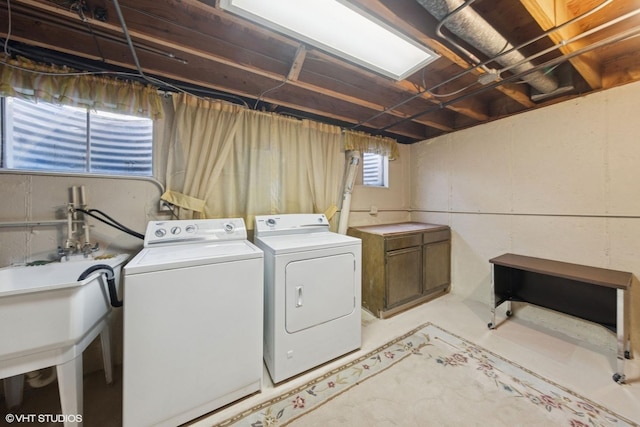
{"points": [[57, 138], [375, 170]]}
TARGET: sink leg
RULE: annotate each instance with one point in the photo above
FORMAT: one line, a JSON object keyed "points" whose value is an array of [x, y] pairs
{"points": [[105, 340], [70, 386], [13, 388]]}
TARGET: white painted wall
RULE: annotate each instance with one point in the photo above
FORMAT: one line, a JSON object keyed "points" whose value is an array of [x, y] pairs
{"points": [[560, 182], [40, 198]]}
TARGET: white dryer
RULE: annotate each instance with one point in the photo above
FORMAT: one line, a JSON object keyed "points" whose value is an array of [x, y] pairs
{"points": [[193, 300], [312, 292]]}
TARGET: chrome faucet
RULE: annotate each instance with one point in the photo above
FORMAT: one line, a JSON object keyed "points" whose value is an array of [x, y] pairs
{"points": [[87, 249], [71, 244]]}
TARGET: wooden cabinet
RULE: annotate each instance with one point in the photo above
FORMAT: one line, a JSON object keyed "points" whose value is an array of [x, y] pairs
{"points": [[403, 265]]}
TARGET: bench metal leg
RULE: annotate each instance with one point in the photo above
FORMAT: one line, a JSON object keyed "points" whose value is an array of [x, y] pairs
{"points": [[623, 342], [492, 322]]}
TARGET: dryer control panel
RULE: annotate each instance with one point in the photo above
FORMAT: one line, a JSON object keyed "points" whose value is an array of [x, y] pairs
{"points": [[290, 224], [181, 231]]}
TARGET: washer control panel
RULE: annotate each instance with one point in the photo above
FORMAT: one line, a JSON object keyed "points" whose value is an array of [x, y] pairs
{"points": [[290, 223], [193, 231]]}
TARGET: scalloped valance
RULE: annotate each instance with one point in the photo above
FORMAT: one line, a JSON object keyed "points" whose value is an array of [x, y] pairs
{"points": [[29, 80], [365, 143]]}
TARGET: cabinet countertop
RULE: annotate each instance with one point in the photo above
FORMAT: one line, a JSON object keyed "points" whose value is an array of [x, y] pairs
{"points": [[400, 228]]}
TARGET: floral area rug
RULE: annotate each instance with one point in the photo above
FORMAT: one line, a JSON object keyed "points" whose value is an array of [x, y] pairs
{"points": [[429, 377]]}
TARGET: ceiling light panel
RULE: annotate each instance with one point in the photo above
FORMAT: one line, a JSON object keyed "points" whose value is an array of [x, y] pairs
{"points": [[338, 27]]}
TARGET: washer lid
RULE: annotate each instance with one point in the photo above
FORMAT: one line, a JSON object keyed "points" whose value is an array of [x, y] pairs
{"points": [[180, 256], [288, 243]]}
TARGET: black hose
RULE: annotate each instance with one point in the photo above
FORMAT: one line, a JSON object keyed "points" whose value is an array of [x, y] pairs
{"points": [[111, 281], [112, 222]]}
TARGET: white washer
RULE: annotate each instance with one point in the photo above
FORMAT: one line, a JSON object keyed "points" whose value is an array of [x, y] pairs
{"points": [[312, 292], [193, 301]]}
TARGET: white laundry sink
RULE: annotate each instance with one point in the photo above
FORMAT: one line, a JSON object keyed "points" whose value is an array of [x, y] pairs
{"points": [[45, 307]]}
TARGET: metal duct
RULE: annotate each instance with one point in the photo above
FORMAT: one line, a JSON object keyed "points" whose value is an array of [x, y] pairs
{"points": [[473, 29]]}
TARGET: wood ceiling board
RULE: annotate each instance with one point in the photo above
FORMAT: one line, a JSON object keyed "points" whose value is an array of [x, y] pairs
{"points": [[292, 97], [550, 14], [226, 53]]}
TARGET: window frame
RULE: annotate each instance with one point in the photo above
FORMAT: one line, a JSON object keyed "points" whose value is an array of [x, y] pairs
{"points": [[383, 173], [6, 135]]}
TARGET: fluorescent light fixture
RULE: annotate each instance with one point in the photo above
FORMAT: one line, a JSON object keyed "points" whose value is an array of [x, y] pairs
{"points": [[338, 27]]}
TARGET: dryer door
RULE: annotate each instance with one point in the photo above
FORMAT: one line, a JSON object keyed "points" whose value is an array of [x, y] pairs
{"points": [[319, 290]]}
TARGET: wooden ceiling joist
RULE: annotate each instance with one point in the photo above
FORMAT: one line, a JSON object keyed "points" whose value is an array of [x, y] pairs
{"points": [[200, 45], [552, 13]]}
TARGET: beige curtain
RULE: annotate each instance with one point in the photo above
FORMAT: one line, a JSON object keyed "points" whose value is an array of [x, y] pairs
{"points": [[25, 79], [279, 165], [325, 164], [365, 143], [201, 139], [227, 161]]}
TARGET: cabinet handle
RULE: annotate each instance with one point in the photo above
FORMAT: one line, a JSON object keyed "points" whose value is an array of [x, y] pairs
{"points": [[298, 296]]}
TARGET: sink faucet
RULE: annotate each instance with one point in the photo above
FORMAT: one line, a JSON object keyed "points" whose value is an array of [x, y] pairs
{"points": [[87, 249], [64, 253], [72, 244]]}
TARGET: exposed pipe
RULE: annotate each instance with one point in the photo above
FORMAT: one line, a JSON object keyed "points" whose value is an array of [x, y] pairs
{"points": [[350, 179], [483, 63], [578, 37], [627, 34], [127, 37], [474, 59], [38, 379], [472, 28]]}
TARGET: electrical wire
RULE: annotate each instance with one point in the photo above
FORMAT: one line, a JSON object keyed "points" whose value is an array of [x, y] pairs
{"points": [[127, 37], [269, 90], [171, 208], [6, 40], [563, 43], [156, 81], [110, 221], [473, 59], [483, 63], [153, 80], [455, 92], [625, 35], [132, 48]]}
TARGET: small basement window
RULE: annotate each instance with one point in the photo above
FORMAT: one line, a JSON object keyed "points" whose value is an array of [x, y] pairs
{"points": [[58, 138], [375, 169]]}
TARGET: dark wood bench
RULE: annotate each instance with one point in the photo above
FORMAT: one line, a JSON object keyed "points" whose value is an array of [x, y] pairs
{"points": [[591, 293]]}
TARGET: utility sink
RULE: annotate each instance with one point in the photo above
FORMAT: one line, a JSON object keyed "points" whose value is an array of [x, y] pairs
{"points": [[44, 307], [48, 317]]}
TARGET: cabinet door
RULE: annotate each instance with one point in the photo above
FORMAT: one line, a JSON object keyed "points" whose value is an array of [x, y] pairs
{"points": [[437, 265], [404, 275]]}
